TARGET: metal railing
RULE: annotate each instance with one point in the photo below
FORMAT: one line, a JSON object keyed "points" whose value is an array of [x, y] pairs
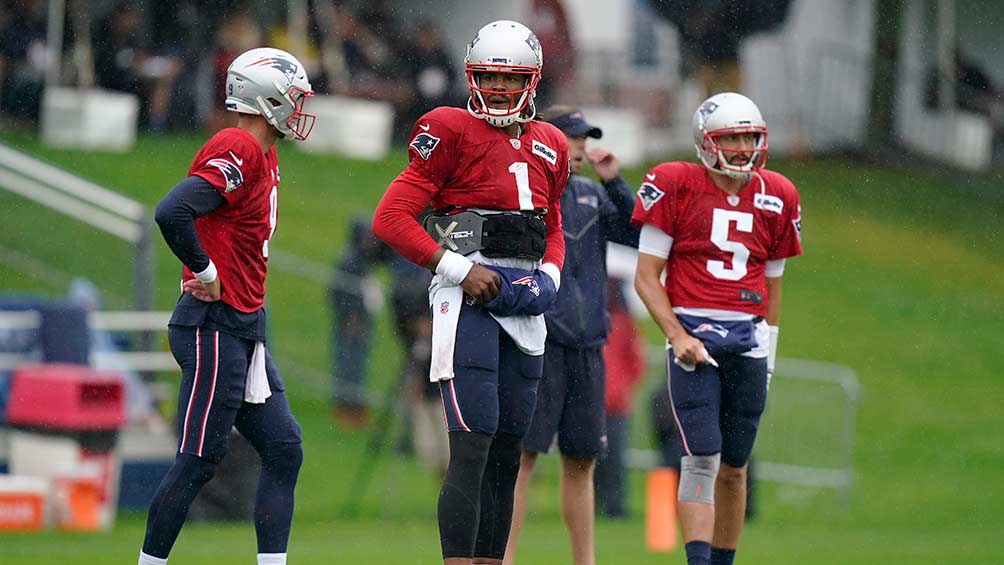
{"points": [[86, 202], [810, 474], [145, 360]]}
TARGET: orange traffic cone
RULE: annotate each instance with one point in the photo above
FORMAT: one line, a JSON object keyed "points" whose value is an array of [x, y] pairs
{"points": [[660, 509]]}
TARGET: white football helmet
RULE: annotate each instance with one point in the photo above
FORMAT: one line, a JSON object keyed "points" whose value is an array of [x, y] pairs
{"points": [[271, 83], [724, 114], [504, 47]]}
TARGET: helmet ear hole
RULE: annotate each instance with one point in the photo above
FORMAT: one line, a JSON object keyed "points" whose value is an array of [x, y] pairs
{"points": [[275, 103]]}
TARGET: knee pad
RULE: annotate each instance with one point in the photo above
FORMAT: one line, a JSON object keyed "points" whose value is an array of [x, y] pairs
{"points": [[697, 478]]}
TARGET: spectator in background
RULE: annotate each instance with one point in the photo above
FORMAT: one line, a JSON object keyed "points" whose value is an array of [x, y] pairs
{"points": [[710, 40], [374, 58], [23, 57], [974, 90], [352, 299], [410, 303], [624, 360], [432, 73], [124, 62], [549, 19], [238, 31]]}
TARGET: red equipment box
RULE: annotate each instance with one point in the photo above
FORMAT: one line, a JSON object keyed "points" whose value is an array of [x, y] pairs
{"points": [[66, 397]]}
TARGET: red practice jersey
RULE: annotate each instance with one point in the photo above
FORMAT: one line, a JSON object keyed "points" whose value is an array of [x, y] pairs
{"points": [[459, 160], [720, 243], [235, 235]]}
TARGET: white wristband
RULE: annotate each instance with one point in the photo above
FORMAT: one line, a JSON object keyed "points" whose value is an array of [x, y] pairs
{"points": [[208, 274], [771, 348], [551, 270], [454, 267]]}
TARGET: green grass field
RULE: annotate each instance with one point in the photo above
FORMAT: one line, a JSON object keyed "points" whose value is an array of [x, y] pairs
{"points": [[902, 280]]}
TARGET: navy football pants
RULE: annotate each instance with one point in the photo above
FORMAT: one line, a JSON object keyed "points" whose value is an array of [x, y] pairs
{"points": [[718, 410], [211, 402], [494, 388]]}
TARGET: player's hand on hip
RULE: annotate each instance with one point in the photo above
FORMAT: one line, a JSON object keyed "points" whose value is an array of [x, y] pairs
{"points": [[206, 292], [689, 350], [481, 283], [604, 163]]}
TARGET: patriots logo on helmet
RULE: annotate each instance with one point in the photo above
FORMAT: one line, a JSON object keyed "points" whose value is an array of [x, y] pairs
{"points": [[529, 283], [649, 194], [706, 110], [230, 172], [424, 143], [533, 42], [285, 66]]}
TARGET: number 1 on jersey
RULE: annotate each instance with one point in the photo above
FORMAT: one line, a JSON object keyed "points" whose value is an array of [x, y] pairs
{"points": [[522, 172]]}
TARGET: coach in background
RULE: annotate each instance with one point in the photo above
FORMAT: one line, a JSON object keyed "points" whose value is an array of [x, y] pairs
{"points": [[570, 395]]}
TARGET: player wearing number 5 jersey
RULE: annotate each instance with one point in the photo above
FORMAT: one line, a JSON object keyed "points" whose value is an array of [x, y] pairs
{"points": [[494, 176], [721, 231], [218, 222]]}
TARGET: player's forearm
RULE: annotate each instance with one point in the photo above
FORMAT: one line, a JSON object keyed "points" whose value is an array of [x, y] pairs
{"points": [[653, 295], [176, 214], [555, 252], [773, 316], [394, 223]]}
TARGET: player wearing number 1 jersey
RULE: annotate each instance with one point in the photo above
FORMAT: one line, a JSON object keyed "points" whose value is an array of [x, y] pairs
{"points": [[722, 233], [494, 177], [218, 222]]}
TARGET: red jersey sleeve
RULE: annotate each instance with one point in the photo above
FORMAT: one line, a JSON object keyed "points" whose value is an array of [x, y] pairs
{"points": [[225, 159], [431, 162], [655, 203], [555, 252], [788, 236], [432, 152]]}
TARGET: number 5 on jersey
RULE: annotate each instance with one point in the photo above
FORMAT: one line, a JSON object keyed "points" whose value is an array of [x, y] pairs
{"points": [[720, 224]]}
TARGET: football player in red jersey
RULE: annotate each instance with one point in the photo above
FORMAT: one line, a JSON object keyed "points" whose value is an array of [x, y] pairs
{"points": [[494, 176], [218, 222], [722, 231]]}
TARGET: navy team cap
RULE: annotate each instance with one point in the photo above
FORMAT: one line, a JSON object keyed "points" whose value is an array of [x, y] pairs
{"points": [[574, 124]]}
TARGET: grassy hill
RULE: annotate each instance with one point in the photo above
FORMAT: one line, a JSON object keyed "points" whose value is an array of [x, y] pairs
{"points": [[901, 281]]}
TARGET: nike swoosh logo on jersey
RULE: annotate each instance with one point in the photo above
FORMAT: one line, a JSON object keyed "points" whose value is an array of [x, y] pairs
{"points": [[650, 176], [240, 162], [425, 127]]}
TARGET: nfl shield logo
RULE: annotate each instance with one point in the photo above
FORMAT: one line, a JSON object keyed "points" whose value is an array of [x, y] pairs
{"points": [[444, 307], [515, 144]]}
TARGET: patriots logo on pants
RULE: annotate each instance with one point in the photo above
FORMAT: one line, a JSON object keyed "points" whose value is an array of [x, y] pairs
{"points": [[716, 328], [424, 143], [530, 284], [230, 172]]}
